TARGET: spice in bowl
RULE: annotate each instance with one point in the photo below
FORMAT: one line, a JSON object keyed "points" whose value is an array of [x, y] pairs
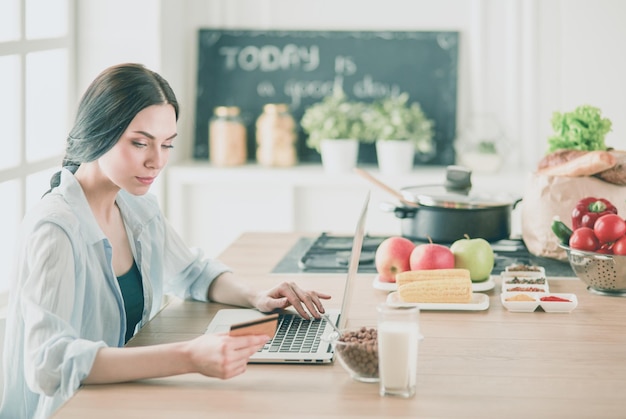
{"points": [[520, 297]]}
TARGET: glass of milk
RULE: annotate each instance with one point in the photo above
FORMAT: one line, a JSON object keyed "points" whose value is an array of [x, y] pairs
{"points": [[398, 341]]}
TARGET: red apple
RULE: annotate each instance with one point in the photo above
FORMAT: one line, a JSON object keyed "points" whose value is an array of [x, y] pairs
{"points": [[392, 257], [431, 256]]}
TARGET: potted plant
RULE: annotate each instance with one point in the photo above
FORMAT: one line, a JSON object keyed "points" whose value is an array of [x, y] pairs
{"points": [[334, 128], [479, 144], [400, 129]]}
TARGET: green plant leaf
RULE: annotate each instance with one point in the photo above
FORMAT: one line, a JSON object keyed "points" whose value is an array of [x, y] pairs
{"points": [[584, 128]]}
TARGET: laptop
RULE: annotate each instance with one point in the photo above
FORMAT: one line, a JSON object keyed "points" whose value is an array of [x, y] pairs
{"points": [[299, 341]]}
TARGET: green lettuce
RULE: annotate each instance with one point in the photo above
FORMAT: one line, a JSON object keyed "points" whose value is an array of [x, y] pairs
{"points": [[582, 129]]}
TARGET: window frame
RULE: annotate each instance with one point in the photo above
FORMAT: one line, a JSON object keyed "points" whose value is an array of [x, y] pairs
{"points": [[22, 47]]}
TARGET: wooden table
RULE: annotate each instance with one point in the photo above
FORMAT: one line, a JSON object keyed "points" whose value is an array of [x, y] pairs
{"points": [[485, 364]]}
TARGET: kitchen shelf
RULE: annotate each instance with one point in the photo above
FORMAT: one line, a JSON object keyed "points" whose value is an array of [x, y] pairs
{"points": [[211, 206]]}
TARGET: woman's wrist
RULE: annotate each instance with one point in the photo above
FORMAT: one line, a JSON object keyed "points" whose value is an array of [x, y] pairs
{"points": [[227, 289], [184, 355]]}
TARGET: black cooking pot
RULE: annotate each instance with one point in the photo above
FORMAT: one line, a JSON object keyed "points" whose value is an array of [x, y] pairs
{"points": [[447, 212]]}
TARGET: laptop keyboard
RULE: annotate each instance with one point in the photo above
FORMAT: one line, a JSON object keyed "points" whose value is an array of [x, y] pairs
{"points": [[294, 334]]}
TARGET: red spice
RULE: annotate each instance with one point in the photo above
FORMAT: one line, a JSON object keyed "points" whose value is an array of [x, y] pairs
{"points": [[555, 298]]}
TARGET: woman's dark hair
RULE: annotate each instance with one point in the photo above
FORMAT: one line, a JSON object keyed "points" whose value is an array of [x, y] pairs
{"points": [[106, 109]]}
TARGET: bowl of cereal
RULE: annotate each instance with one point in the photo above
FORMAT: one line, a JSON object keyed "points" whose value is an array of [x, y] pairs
{"points": [[357, 351]]}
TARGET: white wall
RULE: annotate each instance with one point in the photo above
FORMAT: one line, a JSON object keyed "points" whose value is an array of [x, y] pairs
{"points": [[520, 60], [116, 31], [110, 32], [3, 322], [591, 64]]}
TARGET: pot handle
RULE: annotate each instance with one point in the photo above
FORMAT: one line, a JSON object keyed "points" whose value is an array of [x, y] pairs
{"points": [[400, 212], [385, 187]]}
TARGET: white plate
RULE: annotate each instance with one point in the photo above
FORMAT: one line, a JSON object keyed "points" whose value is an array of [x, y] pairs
{"points": [[476, 286], [485, 285], [384, 286], [479, 302]]}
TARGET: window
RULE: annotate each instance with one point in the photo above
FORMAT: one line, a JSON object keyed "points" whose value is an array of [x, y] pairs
{"points": [[36, 68]]}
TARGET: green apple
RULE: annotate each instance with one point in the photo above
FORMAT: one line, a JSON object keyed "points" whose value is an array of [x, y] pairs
{"points": [[475, 255]]}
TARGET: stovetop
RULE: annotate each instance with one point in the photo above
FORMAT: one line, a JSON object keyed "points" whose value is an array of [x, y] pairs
{"points": [[331, 253]]}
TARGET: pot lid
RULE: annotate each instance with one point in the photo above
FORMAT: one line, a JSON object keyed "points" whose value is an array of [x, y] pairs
{"points": [[446, 197]]}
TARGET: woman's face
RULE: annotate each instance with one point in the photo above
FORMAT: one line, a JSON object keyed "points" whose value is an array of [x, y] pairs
{"points": [[142, 151]]}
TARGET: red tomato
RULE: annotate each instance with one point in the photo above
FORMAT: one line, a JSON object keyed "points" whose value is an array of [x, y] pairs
{"points": [[609, 228], [619, 248], [606, 248], [583, 238]]}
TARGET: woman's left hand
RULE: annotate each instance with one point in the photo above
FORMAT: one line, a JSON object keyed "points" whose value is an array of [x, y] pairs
{"points": [[289, 294]]}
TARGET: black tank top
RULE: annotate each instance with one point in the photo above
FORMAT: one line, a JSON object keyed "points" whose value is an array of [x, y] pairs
{"points": [[132, 293]]}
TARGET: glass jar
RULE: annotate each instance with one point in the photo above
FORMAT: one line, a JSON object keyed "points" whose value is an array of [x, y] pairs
{"points": [[276, 136], [227, 137]]}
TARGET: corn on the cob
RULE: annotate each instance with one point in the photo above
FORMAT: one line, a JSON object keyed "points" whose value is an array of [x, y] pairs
{"points": [[435, 286], [428, 274]]}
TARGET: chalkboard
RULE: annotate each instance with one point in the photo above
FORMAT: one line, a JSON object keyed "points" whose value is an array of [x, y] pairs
{"points": [[251, 68]]}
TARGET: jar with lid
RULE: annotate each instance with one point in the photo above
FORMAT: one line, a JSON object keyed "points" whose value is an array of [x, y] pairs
{"points": [[276, 136], [227, 137]]}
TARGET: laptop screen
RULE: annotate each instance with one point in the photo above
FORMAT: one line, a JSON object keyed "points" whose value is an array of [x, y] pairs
{"points": [[357, 244]]}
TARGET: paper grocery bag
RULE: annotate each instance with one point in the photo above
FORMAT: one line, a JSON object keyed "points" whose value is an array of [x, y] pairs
{"points": [[548, 196]]}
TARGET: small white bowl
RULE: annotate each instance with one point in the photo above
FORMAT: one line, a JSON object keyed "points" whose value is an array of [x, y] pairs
{"points": [[559, 306], [523, 276], [529, 269], [519, 306], [525, 288]]}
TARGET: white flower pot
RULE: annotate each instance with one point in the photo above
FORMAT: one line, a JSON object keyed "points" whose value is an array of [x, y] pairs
{"points": [[339, 156], [395, 157]]}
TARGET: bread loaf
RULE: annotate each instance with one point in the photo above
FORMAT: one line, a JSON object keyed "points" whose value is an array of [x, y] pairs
{"points": [[616, 174], [558, 157], [435, 286], [587, 164], [609, 165]]}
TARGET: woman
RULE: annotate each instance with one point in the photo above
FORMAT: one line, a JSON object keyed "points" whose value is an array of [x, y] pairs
{"points": [[96, 257]]}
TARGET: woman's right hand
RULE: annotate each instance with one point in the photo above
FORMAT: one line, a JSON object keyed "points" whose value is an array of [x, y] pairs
{"points": [[223, 356]]}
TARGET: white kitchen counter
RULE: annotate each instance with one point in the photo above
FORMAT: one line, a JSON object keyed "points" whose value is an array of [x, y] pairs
{"points": [[212, 206]]}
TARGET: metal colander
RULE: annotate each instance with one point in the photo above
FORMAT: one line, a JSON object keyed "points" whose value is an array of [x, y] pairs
{"points": [[603, 273]]}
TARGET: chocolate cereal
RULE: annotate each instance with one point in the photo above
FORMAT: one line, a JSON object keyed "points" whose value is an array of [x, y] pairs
{"points": [[358, 350]]}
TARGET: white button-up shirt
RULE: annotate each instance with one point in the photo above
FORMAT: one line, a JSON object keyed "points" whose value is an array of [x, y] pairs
{"points": [[65, 303]]}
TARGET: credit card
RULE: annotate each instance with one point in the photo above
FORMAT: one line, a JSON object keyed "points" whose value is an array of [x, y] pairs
{"points": [[264, 326]]}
